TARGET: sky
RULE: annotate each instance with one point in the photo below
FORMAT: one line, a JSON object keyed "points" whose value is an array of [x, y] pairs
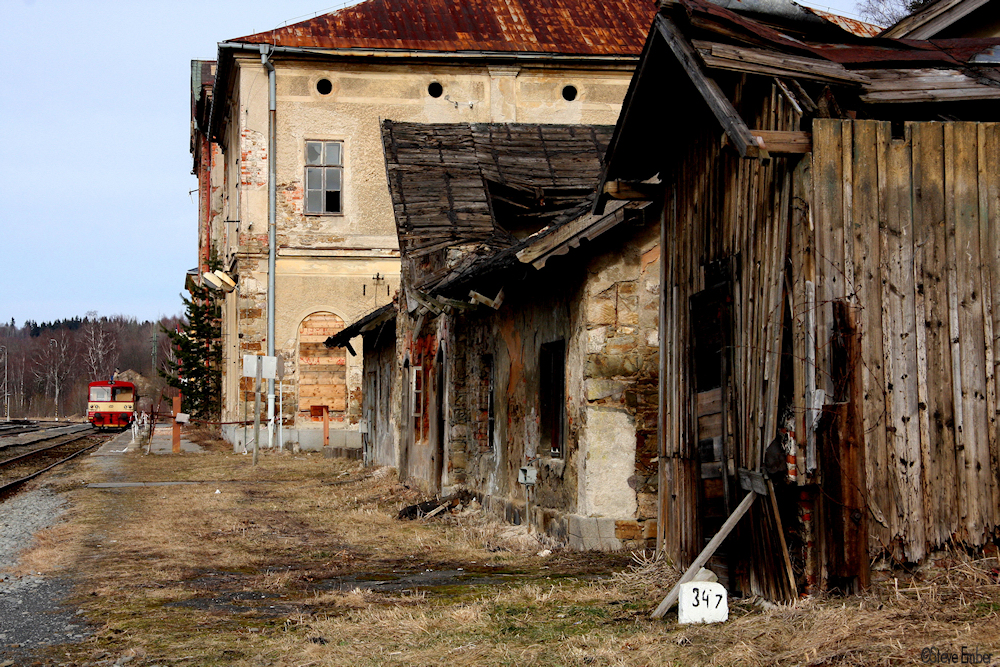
{"points": [[97, 211]]}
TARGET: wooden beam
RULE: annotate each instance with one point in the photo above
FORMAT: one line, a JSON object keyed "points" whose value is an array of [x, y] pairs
{"points": [[629, 190], [776, 141], [476, 297], [736, 130], [765, 61], [706, 554]]}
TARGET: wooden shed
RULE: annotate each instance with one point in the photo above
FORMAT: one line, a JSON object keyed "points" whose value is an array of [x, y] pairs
{"points": [[831, 263]]}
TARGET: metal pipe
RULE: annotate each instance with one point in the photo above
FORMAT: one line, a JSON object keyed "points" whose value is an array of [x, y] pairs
{"points": [[272, 176]]}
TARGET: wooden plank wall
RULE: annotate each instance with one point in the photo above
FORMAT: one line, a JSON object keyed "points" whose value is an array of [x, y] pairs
{"points": [[906, 229], [720, 206]]}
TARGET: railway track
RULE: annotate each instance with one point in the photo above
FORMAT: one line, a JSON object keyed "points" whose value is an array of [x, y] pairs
{"points": [[18, 427], [23, 462]]}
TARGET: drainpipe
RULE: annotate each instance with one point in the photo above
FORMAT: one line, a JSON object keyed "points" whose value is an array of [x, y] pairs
{"points": [[272, 173]]}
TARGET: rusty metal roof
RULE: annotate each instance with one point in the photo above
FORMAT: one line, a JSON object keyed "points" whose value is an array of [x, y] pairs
{"points": [[569, 27], [853, 52], [853, 26]]}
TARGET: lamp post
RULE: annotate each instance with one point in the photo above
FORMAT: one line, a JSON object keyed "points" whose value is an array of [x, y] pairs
{"points": [[55, 373], [6, 400]]}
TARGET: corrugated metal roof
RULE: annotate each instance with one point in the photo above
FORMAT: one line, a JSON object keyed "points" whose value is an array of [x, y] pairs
{"points": [[571, 27], [853, 26]]}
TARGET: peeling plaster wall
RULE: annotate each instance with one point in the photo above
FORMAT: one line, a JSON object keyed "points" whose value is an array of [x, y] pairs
{"points": [[607, 456], [602, 492], [328, 262]]}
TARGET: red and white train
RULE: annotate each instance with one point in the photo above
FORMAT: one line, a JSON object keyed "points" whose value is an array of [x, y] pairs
{"points": [[111, 404]]}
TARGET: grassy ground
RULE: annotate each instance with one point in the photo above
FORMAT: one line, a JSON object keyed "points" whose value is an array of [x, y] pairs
{"points": [[301, 561]]}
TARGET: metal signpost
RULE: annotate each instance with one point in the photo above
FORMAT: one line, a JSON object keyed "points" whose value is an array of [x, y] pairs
{"points": [[262, 368]]}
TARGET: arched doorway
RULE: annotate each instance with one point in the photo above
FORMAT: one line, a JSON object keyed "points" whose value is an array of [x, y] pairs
{"points": [[322, 370]]}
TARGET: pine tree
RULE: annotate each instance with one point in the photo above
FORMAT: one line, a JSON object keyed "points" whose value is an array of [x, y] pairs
{"points": [[197, 369]]}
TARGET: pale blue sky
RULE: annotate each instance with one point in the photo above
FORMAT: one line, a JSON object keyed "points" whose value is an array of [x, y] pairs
{"points": [[95, 172]]}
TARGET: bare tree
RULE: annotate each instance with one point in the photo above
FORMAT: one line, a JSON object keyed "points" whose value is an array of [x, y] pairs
{"points": [[886, 12], [54, 364], [18, 393], [100, 348]]}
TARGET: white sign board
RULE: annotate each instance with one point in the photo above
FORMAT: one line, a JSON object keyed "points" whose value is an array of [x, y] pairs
{"points": [[702, 602], [527, 475], [250, 365], [269, 367]]}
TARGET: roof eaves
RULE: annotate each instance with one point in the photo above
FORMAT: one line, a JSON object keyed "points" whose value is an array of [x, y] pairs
{"points": [[366, 323], [930, 19]]}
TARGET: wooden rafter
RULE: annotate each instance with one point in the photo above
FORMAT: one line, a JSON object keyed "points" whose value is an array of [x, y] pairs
{"points": [[736, 130]]}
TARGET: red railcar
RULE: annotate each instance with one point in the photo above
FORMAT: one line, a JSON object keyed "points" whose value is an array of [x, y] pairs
{"points": [[111, 404]]}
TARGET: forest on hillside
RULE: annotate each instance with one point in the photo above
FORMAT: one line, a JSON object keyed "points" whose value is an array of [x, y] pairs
{"points": [[45, 367]]}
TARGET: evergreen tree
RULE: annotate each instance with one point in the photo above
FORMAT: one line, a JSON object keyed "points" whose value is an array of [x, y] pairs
{"points": [[197, 369]]}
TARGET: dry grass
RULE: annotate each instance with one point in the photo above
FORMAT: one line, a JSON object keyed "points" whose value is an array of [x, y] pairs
{"points": [[297, 562]]}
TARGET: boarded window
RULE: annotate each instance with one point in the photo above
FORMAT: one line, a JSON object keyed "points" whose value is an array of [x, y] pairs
{"points": [[322, 370]]}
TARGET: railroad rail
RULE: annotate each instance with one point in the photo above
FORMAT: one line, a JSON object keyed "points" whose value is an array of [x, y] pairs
{"points": [[20, 468], [40, 433], [18, 426]]}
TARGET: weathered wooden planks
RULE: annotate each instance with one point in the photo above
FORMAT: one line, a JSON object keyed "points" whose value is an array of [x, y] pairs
{"points": [[899, 336], [867, 297], [935, 370], [923, 221]]}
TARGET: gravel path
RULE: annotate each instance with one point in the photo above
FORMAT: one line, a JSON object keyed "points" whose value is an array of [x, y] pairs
{"points": [[32, 610]]}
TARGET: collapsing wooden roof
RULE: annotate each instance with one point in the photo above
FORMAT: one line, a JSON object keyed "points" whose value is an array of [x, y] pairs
{"points": [[459, 184], [494, 196]]}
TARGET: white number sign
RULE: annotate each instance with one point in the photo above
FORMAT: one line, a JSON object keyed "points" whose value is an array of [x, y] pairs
{"points": [[702, 602]]}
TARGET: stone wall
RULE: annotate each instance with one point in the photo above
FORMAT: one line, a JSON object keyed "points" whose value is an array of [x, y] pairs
{"points": [[328, 263], [601, 493]]}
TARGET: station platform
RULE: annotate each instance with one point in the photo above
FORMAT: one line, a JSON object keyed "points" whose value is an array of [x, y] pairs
{"points": [[161, 443]]}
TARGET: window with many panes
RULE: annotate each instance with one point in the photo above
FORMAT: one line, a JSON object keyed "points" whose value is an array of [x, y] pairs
{"points": [[324, 177]]}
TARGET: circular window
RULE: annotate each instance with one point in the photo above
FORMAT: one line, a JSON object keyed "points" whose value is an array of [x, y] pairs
{"points": [[324, 87], [435, 89], [569, 93]]}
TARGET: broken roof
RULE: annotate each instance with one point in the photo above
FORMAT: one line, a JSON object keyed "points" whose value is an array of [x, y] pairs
{"points": [[369, 322], [616, 27], [695, 44], [450, 182], [946, 17]]}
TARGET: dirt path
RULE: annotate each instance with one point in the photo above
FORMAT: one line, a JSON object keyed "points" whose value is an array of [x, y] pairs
{"points": [[301, 561]]}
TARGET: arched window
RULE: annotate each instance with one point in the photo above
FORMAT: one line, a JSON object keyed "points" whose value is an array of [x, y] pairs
{"points": [[322, 371]]}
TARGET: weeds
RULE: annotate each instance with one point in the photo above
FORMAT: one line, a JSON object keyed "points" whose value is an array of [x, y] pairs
{"points": [[301, 561]]}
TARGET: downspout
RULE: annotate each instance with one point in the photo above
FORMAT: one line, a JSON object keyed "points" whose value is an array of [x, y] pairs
{"points": [[272, 173]]}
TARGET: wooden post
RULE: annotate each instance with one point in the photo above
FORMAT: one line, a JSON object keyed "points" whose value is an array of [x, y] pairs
{"points": [[706, 553], [177, 426], [324, 412]]}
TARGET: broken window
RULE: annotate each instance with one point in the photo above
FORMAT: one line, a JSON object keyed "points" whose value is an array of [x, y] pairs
{"points": [[324, 177], [552, 393]]}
